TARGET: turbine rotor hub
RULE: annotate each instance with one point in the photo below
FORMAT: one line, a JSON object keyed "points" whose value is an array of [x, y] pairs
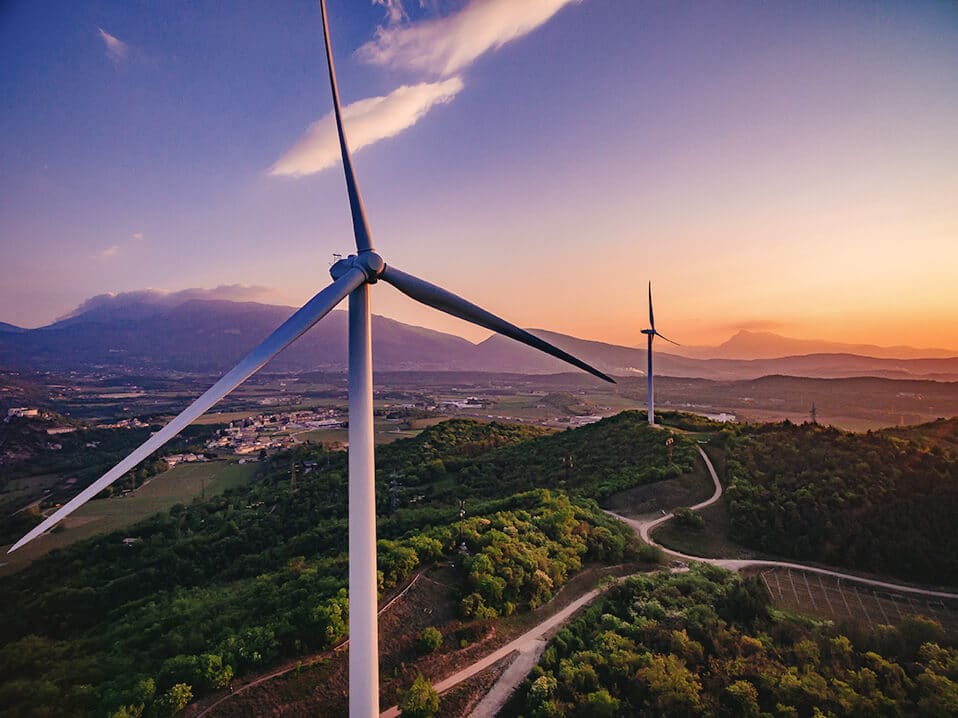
{"points": [[369, 263]]}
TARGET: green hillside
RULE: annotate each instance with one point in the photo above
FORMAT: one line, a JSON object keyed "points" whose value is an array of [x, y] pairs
{"points": [[882, 501], [705, 643], [242, 580]]}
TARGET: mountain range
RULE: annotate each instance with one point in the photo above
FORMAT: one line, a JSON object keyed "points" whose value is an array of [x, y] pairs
{"points": [[200, 335], [767, 345]]}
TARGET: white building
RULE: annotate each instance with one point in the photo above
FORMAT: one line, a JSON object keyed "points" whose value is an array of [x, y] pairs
{"points": [[22, 412]]}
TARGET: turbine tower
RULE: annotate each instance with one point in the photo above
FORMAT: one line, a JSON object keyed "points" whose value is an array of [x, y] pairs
{"points": [[651, 333], [352, 278]]}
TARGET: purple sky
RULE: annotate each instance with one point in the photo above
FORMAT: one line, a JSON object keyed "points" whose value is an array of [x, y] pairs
{"points": [[789, 166]]}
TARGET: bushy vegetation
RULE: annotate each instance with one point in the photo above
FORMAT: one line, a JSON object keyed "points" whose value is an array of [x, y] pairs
{"points": [[882, 501], [705, 644], [232, 584], [430, 640], [420, 700], [595, 461]]}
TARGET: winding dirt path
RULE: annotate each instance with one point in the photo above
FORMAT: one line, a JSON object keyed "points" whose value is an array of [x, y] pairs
{"points": [[527, 642], [645, 527]]}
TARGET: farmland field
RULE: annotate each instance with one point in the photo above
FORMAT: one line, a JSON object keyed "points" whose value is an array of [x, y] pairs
{"points": [[841, 601], [180, 484]]}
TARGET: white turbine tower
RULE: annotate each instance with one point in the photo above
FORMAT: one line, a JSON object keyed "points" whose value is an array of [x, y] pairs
{"points": [[351, 278], [651, 333]]}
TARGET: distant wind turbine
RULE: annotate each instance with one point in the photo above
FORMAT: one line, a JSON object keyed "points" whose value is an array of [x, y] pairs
{"points": [[351, 278], [651, 333]]}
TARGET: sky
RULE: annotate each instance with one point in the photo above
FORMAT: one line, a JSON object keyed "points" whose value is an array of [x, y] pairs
{"points": [[780, 166]]}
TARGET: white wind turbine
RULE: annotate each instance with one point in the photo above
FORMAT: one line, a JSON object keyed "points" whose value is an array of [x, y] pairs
{"points": [[351, 278], [651, 333]]}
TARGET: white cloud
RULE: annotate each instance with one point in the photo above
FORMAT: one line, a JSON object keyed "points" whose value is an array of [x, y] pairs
{"points": [[116, 49], [110, 251], [137, 235], [444, 46], [164, 298], [367, 121], [395, 12]]}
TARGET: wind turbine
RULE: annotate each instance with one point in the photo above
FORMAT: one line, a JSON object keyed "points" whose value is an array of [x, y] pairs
{"points": [[651, 333], [352, 278]]}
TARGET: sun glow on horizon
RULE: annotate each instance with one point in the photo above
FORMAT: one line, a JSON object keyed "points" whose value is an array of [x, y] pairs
{"points": [[776, 166]]}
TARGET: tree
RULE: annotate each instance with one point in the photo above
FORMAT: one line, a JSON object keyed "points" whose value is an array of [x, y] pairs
{"points": [[174, 700], [740, 700], [687, 518], [420, 700], [430, 640], [674, 690], [600, 704]]}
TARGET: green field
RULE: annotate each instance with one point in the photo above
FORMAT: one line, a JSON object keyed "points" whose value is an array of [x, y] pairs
{"points": [[19, 491], [180, 484]]}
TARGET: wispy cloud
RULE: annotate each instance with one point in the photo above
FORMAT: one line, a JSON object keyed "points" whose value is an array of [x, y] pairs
{"points": [[116, 49], [137, 236], [367, 121], [437, 47], [111, 251], [395, 12], [444, 46]]}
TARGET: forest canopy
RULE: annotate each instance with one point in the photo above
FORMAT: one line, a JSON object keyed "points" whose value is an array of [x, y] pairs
{"points": [[883, 501]]}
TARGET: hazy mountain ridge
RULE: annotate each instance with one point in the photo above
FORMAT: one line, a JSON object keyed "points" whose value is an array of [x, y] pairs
{"points": [[212, 335], [746, 344]]}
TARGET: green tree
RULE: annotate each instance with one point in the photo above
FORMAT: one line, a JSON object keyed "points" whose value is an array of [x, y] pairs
{"points": [[173, 701], [430, 640], [740, 700], [600, 704], [420, 700], [673, 689]]}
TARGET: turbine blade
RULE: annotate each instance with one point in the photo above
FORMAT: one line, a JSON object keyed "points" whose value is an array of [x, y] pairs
{"points": [[651, 316], [364, 241], [317, 307], [667, 339], [445, 301]]}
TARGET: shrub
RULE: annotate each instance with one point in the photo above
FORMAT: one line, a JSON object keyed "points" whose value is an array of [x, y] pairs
{"points": [[420, 700], [430, 640]]}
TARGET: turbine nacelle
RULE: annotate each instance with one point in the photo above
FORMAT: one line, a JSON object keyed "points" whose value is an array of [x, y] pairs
{"points": [[370, 263]]}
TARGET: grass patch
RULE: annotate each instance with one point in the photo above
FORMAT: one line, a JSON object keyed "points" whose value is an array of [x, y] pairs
{"points": [[710, 542], [181, 484], [685, 490]]}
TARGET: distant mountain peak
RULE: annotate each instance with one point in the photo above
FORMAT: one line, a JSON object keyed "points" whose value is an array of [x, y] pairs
{"points": [[191, 332], [749, 344]]}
